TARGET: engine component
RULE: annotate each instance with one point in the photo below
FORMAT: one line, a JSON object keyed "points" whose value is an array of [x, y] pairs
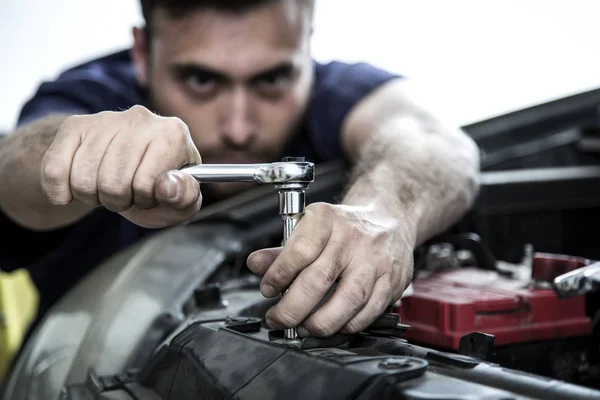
{"points": [[522, 315], [235, 358], [580, 281]]}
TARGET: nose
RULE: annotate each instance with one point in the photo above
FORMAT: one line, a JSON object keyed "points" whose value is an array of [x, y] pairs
{"points": [[239, 129]]}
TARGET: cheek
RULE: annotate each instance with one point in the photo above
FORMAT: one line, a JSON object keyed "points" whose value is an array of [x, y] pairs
{"points": [[279, 117], [202, 123], [167, 95], [293, 102]]}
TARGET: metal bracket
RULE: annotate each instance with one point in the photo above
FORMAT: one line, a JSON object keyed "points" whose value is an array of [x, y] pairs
{"points": [[578, 282]]}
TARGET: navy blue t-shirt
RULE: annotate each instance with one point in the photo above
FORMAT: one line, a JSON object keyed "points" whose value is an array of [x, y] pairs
{"points": [[58, 259]]}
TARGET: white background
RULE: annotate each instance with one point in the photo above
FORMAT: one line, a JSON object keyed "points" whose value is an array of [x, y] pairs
{"points": [[474, 58]]}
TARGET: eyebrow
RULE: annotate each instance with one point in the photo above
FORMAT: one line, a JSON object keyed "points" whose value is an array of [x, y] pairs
{"points": [[183, 68]]}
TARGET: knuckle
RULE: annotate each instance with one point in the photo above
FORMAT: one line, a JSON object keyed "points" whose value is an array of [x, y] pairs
{"points": [[280, 278], [321, 327], [304, 250], [69, 124], [320, 208], [114, 190], [364, 237], [179, 141], [354, 326], [318, 280], [354, 231], [287, 318], [84, 189], [52, 173], [178, 130], [356, 296], [381, 303], [138, 111]]}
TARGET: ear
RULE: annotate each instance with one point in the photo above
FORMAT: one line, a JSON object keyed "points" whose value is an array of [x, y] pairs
{"points": [[140, 56]]}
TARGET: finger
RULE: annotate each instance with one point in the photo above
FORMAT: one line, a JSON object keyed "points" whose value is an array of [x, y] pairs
{"points": [[352, 294], [304, 246], [307, 291], [177, 190], [259, 261], [161, 216], [168, 214], [166, 153], [117, 169], [86, 164], [57, 161], [377, 304]]}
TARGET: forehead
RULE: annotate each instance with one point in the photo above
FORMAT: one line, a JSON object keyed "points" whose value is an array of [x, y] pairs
{"points": [[240, 43]]}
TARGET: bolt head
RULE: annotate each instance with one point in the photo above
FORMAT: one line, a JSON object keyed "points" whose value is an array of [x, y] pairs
{"points": [[394, 363], [237, 320]]}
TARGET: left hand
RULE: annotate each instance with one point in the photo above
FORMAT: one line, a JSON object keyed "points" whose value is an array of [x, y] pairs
{"points": [[371, 255]]}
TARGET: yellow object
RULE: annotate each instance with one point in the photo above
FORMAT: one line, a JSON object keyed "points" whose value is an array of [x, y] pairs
{"points": [[18, 307]]}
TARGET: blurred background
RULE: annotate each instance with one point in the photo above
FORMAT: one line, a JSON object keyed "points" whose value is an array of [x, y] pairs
{"points": [[474, 59]]}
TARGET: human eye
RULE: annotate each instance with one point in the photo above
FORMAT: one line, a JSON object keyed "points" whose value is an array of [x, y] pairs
{"points": [[274, 84], [200, 83]]}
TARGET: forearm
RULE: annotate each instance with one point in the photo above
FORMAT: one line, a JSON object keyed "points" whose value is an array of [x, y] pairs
{"points": [[21, 195], [417, 171]]}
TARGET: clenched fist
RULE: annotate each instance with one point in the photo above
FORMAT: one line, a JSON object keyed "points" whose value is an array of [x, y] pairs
{"points": [[127, 162]]}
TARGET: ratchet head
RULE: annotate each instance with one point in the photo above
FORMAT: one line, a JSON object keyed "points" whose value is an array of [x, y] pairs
{"points": [[288, 173]]}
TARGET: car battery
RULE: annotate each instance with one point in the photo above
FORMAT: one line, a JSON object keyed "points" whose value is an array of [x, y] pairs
{"points": [[523, 314]]}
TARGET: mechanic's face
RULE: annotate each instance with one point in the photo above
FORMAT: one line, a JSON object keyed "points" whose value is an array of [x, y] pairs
{"points": [[240, 81]]}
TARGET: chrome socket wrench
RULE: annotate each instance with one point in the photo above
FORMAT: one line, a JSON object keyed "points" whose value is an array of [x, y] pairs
{"points": [[291, 176]]}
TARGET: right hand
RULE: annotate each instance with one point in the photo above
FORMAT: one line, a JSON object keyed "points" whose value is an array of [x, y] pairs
{"points": [[127, 162]]}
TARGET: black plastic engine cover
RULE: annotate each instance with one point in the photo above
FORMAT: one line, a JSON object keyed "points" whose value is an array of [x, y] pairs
{"points": [[236, 359], [221, 363]]}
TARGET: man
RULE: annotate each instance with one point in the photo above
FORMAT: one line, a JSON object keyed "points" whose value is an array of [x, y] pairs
{"points": [[94, 164]]}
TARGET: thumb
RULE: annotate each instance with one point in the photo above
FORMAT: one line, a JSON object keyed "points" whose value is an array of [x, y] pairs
{"points": [[259, 261], [177, 189]]}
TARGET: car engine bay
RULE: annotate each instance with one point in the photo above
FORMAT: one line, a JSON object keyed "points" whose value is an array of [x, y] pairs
{"points": [[179, 316]]}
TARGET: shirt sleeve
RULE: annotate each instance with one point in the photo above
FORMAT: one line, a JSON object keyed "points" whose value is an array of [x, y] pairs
{"points": [[45, 105], [21, 247], [339, 87], [75, 95]]}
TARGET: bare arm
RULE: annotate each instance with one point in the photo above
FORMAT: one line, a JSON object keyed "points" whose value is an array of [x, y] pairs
{"points": [[413, 177], [21, 196], [408, 164], [58, 169]]}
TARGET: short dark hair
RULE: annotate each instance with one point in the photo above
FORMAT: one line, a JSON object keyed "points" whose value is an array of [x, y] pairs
{"points": [[177, 8]]}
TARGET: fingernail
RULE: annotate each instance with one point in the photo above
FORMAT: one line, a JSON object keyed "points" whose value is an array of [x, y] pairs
{"points": [[172, 187], [302, 332], [268, 290]]}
